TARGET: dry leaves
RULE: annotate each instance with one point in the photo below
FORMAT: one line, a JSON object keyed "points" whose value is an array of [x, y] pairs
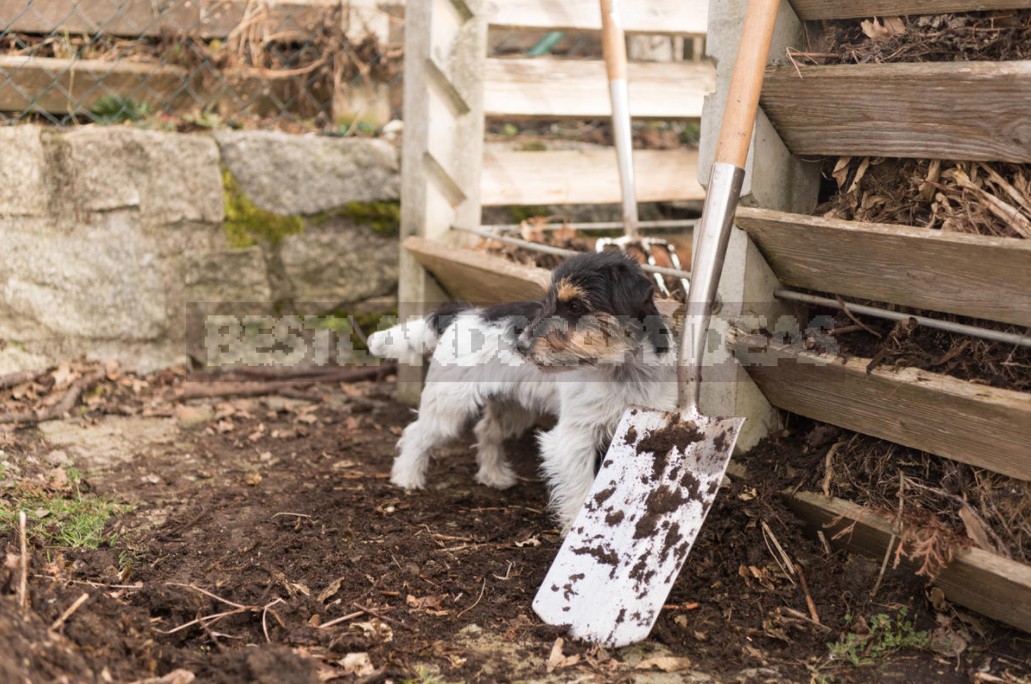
{"points": [[558, 661], [665, 664], [880, 30]]}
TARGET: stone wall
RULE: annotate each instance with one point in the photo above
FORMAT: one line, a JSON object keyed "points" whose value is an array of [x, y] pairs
{"points": [[116, 242]]}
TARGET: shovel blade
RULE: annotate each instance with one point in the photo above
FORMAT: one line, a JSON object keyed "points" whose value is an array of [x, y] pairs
{"points": [[627, 545]]}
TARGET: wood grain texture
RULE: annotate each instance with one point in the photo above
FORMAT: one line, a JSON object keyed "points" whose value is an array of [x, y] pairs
{"points": [[970, 275], [556, 88], [981, 581], [586, 177], [836, 9], [65, 86], [130, 18], [944, 110], [975, 424], [686, 17], [478, 277]]}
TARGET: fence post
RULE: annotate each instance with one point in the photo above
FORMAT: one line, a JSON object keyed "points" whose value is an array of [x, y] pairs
{"points": [[445, 56]]}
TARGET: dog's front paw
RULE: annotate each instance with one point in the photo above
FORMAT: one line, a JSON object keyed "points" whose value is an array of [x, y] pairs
{"points": [[498, 478], [406, 479]]}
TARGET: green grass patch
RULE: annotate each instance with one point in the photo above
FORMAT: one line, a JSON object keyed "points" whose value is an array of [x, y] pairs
{"points": [[66, 518], [885, 635]]}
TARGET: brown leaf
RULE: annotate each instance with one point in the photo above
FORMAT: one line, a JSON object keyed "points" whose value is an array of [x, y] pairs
{"points": [[557, 661], [877, 31], [665, 664], [330, 590], [357, 664]]}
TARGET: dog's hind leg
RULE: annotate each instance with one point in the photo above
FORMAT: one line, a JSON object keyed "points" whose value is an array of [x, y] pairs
{"points": [[441, 419], [499, 421]]}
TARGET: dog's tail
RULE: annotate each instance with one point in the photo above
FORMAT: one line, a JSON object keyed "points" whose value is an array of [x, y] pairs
{"points": [[410, 342]]}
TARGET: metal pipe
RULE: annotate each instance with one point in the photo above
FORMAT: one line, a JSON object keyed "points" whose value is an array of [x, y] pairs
{"points": [[666, 224], [558, 251], [947, 326]]}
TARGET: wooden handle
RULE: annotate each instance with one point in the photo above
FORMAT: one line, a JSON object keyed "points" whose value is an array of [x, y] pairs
{"points": [[613, 40], [746, 82]]}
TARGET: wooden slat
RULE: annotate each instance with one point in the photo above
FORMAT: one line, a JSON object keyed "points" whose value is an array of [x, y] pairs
{"points": [[943, 110], [836, 9], [64, 86], [981, 581], [478, 277], [687, 17], [970, 275], [975, 424], [554, 88], [586, 177], [206, 18]]}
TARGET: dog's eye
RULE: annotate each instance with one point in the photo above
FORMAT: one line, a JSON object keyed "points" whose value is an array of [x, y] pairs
{"points": [[577, 308]]}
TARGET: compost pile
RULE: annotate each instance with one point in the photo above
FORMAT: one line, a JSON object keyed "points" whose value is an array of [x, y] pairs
{"points": [[947, 504], [973, 36]]}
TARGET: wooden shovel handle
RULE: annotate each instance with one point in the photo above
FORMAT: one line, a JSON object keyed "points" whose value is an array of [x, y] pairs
{"points": [[613, 40], [746, 82]]}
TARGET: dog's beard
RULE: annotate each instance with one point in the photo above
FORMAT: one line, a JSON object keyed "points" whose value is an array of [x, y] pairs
{"points": [[595, 339]]}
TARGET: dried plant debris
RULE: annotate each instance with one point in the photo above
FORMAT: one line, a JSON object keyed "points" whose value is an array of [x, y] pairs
{"points": [[984, 198], [942, 505], [962, 37], [538, 230], [907, 344]]}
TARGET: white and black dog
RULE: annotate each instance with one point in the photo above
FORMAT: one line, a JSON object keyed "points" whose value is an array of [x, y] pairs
{"points": [[594, 346]]}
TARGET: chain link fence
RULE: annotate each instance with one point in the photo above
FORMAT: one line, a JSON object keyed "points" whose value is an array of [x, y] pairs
{"points": [[332, 66], [324, 65]]}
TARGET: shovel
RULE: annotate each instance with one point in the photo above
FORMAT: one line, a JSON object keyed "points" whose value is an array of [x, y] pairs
{"points": [[613, 45], [662, 470]]}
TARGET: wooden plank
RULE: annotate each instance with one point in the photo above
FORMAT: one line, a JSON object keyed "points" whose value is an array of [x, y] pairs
{"points": [[65, 86], [970, 275], [975, 424], [130, 18], [685, 17], [478, 277], [943, 110], [976, 579], [555, 88], [586, 177], [836, 9]]}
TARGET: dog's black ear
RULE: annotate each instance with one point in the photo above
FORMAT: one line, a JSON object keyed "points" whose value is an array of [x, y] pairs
{"points": [[632, 292], [633, 296]]}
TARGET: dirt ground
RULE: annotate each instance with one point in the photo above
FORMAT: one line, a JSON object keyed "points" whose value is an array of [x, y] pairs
{"points": [[263, 542]]}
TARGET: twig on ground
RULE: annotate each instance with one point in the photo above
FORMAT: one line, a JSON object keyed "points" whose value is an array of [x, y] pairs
{"points": [[200, 390], [211, 635], [210, 595], [296, 515], [58, 410], [23, 580], [787, 566], [810, 604], [377, 614], [343, 618], [478, 599], [895, 529], [15, 379], [264, 615], [68, 613]]}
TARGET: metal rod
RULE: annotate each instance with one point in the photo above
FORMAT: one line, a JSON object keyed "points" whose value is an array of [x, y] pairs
{"points": [[558, 251], [948, 326], [666, 224]]}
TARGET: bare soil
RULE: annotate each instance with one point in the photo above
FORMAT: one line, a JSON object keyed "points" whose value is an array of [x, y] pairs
{"points": [[279, 513]]}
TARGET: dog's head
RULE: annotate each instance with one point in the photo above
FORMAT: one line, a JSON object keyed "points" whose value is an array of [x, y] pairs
{"points": [[598, 310]]}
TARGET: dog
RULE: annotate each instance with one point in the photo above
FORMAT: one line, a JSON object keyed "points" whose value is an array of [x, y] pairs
{"points": [[595, 345]]}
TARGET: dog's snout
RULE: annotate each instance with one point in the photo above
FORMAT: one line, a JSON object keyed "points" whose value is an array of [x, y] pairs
{"points": [[523, 344]]}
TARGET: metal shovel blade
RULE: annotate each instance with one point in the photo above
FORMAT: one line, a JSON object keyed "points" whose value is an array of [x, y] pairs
{"points": [[628, 543]]}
